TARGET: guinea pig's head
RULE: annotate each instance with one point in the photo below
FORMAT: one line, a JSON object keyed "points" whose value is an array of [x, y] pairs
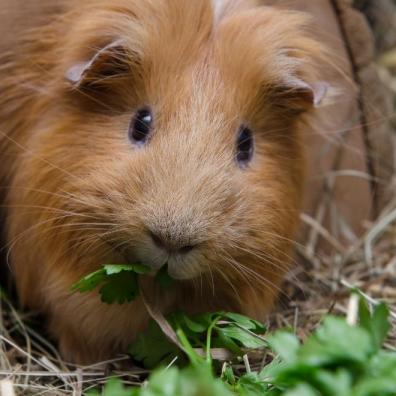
{"points": [[174, 136]]}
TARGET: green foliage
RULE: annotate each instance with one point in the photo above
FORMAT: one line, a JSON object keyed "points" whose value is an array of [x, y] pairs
{"points": [[191, 381], [336, 360], [163, 278], [228, 330], [114, 387], [153, 348], [377, 324], [119, 283]]}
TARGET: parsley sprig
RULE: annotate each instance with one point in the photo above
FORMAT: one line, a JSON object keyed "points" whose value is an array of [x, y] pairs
{"points": [[119, 282], [338, 359]]}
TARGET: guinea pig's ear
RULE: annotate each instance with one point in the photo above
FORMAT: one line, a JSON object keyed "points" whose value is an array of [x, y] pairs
{"points": [[107, 62], [299, 96]]}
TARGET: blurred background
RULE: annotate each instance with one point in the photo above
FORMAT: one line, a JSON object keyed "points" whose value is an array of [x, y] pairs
{"points": [[381, 15]]}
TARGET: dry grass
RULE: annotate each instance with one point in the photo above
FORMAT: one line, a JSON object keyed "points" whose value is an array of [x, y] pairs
{"points": [[30, 365]]}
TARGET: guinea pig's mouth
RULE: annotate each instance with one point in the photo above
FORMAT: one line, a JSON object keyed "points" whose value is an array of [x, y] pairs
{"points": [[183, 269], [172, 265]]}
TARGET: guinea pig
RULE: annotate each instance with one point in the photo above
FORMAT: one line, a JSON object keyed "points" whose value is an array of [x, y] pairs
{"points": [[155, 132]]}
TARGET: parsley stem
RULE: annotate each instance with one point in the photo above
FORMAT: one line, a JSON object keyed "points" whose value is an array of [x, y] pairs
{"points": [[209, 339], [188, 349]]}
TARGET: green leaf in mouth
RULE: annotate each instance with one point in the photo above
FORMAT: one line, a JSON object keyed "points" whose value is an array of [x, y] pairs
{"points": [[163, 278], [119, 282]]}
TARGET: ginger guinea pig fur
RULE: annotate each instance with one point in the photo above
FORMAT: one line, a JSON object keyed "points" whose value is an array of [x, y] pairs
{"points": [[154, 132]]}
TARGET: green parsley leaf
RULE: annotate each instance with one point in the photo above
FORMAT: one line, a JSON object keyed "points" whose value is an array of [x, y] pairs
{"points": [[153, 348], [119, 282], [120, 288], [251, 385], [117, 268], [335, 342], [114, 387], [302, 390], [377, 324], [90, 282], [285, 344], [191, 381], [163, 278]]}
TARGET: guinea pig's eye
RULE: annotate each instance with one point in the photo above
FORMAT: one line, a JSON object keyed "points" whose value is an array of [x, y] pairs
{"points": [[141, 125], [244, 146]]}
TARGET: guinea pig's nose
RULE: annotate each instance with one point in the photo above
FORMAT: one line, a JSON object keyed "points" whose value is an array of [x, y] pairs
{"points": [[171, 246]]}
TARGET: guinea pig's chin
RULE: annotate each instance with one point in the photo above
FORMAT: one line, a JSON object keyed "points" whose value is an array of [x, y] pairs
{"points": [[182, 269]]}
